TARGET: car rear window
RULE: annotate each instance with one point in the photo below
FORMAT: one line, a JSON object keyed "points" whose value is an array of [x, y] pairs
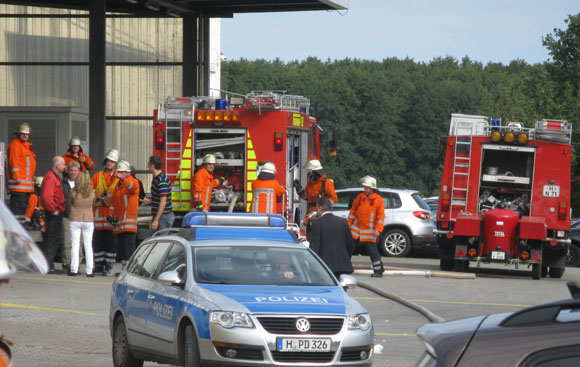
{"points": [[419, 200], [258, 265]]}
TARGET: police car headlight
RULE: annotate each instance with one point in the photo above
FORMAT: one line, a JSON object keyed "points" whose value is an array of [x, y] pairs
{"points": [[230, 319], [361, 321]]}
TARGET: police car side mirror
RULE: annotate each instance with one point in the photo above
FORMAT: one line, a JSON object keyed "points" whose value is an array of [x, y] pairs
{"points": [[170, 277], [348, 281]]}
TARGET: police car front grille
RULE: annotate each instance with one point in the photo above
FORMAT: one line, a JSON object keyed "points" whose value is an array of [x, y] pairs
{"points": [[316, 357], [287, 325]]}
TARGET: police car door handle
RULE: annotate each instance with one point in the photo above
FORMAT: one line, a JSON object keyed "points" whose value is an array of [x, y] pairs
{"points": [[151, 298], [130, 292]]}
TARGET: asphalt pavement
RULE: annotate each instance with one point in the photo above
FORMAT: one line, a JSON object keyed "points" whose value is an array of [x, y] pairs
{"points": [[56, 320]]}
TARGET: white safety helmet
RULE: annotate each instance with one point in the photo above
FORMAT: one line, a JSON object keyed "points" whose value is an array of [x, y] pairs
{"points": [[74, 141], [123, 166], [368, 181], [38, 180], [24, 129], [112, 155], [313, 165], [269, 167], [209, 158]]}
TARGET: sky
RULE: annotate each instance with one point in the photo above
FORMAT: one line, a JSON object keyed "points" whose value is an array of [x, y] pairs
{"points": [[484, 30]]}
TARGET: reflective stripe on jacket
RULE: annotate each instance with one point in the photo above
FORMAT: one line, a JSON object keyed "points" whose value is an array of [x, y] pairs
{"points": [[21, 165], [125, 205], [87, 165], [312, 191], [203, 185], [366, 216], [103, 183], [264, 196]]}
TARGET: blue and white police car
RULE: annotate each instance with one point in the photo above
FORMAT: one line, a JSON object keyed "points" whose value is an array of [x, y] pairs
{"points": [[235, 290]]}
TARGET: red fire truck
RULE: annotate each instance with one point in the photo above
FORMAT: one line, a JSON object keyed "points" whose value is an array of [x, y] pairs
{"points": [[505, 195], [242, 132]]}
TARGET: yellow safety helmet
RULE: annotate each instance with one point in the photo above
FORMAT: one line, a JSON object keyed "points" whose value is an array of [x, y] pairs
{"points": [[313, 165], [123, 166], [269, 167], [209, 158], [74, 141], [112, 155]]}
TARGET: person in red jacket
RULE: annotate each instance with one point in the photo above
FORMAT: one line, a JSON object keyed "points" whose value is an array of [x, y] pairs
{"points": [[266, 191], [75, 154], [123, 214], [53, 201], [21, 169], [366, 220], [204, 182]]}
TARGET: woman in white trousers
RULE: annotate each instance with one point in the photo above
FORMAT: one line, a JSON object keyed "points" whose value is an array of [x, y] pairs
{"points": [[82, 198]]}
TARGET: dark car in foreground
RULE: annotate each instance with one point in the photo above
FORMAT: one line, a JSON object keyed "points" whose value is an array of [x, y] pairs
{"points": [[538, 336]]}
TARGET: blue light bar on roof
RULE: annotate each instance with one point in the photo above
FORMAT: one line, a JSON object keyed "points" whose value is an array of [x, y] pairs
{"points": [[233, 220]]}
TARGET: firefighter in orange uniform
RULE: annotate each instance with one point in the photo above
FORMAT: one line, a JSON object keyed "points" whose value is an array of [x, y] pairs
{"points": [[266, 191], [318, 185], [104, 183], [204, 182], [366, 220], [75, 153], [22, 165], [123, 213], [35, 212]]}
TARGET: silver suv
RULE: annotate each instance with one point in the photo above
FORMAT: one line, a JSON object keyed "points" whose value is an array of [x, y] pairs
{"points": [[408, 221]]}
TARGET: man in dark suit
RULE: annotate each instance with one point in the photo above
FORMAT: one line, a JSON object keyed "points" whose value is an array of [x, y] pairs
{"points": [[331, 239]]}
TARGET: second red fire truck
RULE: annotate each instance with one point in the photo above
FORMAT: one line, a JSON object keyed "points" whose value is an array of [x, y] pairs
{"points": [[505, 195], [243, 132]]}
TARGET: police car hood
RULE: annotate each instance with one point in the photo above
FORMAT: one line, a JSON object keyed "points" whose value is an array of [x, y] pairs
{"points": [[281, 299]]}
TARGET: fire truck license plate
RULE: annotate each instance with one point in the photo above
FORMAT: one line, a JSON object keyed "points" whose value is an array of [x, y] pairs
{"points": [[497, 255], [552, 191], [303, 345]]}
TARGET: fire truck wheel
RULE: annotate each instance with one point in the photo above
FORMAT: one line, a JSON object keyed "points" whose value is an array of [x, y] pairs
{"points": [[536, 271], [573, 258], [446, 265], [556, 272], [395, 243], [461, 266], [544, 271]]}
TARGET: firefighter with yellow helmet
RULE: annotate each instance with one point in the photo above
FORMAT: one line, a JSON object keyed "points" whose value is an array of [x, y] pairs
{"points": [[204, 182], [21, 169], [75, 154]]}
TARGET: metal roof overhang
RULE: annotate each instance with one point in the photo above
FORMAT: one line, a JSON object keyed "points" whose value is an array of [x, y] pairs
{"points": [[209, 8]]}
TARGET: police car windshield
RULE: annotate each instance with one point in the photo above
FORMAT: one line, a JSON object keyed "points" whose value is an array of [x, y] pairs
{"points": [[258, 265]]}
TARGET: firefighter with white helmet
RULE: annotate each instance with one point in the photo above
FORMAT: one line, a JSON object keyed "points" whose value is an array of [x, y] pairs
{"points": [[366, 220], [75, 154], [266, 191], [318, 185], [21, 169], [123, 214], [104, 183], [204, 182]]}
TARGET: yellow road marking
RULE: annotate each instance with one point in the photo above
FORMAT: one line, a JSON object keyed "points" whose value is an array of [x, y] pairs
{"points": [[448, 302], [52, 309], [64, 280], [393, 334]]}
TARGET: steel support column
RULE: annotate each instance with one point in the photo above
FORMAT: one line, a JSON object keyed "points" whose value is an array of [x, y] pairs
{"points": [[189, 55], [97, 74], [206, 58]]}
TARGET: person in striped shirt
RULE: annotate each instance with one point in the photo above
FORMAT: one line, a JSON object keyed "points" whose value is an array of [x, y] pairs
{"points": [[160, 201]]}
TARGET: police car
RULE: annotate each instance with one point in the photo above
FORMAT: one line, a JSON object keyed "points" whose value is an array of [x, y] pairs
{"points": [[235, 290]]}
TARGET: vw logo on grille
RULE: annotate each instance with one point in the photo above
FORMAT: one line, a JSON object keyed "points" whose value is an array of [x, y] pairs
{"points": [[302, 325]]}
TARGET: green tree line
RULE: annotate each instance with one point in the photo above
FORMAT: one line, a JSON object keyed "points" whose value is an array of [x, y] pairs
{"points": [[391, 114]]}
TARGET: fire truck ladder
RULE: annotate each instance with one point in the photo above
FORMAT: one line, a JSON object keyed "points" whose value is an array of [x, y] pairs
{"points": [[460, 181], [174, 152]]}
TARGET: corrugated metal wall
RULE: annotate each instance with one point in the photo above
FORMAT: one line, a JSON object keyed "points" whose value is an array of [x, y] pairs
{"points": [[131, 90]]}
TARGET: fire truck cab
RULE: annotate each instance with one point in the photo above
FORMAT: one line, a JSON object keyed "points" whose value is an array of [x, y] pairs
{"points": [[505, 195], [243, 132]]}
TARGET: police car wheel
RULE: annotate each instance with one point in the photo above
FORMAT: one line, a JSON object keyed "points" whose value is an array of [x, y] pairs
{"points": [[190, 349], [121, 354]]}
